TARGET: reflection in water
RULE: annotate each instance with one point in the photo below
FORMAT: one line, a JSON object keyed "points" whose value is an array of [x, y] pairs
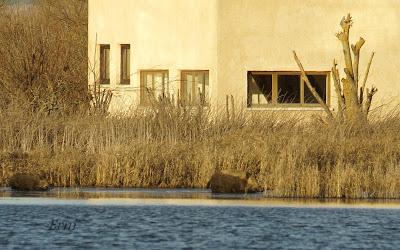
{"points": [[181, 197]]}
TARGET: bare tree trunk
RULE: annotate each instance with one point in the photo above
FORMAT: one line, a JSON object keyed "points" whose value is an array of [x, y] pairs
{"points": [[350, 89], [354, 103], [366, 94], [339, 91]]}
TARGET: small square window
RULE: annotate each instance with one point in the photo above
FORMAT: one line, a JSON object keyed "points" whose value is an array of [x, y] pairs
{"points": [[154, 84], [195, 86]]}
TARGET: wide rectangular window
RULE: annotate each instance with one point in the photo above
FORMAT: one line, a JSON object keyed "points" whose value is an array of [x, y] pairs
{"points": [[105, 64], [154, 84], [125, 64], [195, 86], [266, 88]]}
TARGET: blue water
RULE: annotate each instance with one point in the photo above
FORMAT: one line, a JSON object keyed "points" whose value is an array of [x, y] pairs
{"points": [[59, 223]]}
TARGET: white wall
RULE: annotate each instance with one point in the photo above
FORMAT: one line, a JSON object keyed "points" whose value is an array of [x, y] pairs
{"points": [[164, 34], [232, 37], [261, 34]]}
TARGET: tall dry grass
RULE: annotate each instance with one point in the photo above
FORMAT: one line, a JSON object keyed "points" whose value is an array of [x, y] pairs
{"points": [[165, 146]]}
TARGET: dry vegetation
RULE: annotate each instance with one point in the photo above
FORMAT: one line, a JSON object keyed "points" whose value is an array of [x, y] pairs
{"points": [[43, 56], [174, 147], [45, 128]]}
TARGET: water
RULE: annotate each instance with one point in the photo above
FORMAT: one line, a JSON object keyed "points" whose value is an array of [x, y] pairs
{"points": [[186, 219]]}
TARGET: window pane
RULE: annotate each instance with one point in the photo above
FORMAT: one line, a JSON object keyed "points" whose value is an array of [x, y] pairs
{"points": [[104, 64], [206, 88], [288, 88], [128, 63], [199, 84], [259, 89], [149, 81], [158, 84], [165, 85], [195, 86], [107, 63], [319, 84], [188, 87], [125, 64]]}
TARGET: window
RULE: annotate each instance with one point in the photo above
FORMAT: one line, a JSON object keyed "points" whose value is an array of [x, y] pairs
{"points": [[104, 64], [289, 88], [259, 88], [153, 84], [125, 64], [194, 86], [285, 88], [319, 84]]}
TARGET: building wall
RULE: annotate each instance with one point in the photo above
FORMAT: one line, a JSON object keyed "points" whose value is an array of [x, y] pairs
{"points": [[261, 35], [231, 37], [164, 34]]}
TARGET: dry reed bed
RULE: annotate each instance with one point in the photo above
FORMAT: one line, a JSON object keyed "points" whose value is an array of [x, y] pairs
{"points": [[171, 147]]}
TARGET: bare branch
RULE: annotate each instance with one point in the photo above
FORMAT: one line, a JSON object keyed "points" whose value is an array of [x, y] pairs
{"points": [[338, 89], [366, 74], [356, 51], [368, 100], [311, 88], [346, 23], [3, 4]]}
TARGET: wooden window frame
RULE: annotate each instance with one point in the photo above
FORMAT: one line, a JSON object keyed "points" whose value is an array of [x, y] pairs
{"points": [[143, 88], [123, 80], [303, 85], [183, 91], [106, 67]]}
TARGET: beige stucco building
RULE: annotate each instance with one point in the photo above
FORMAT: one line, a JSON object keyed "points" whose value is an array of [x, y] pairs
{"points": [[202, 50]]}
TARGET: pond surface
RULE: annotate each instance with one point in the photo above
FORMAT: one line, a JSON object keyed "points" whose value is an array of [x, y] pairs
{"points": [[186, 219]]}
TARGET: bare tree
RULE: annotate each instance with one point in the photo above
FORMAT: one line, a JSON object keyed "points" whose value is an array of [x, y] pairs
{"points": [[100, 98], [354, 101], [44, 61], [73, 13], [3, 4]]}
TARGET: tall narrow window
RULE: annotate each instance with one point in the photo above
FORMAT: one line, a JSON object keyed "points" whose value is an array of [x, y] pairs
{"points": [[154, 85], [105, 64], [195, 86], [125, 64]]}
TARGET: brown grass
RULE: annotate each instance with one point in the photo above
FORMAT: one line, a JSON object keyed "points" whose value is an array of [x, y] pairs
{"points": [[177, 147]]}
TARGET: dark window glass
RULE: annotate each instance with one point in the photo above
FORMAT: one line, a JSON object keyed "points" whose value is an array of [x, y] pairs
{"points": [[319, 84], [288, 88], [259, 88], [125, 64], [104, 64]]}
